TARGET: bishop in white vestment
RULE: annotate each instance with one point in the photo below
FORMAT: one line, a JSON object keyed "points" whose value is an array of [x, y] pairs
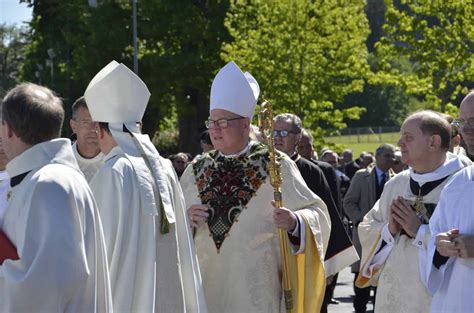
{"points": [[153, 266], [229, 196]]}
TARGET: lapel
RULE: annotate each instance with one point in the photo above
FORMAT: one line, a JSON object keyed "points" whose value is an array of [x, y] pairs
{"points": [[371, 176]]}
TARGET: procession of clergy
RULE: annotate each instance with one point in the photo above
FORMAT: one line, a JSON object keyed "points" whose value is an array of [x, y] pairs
{"points": [[132, 238]]}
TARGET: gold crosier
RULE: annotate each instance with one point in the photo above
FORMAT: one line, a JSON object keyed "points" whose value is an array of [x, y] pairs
{"points": [[265, 121]]}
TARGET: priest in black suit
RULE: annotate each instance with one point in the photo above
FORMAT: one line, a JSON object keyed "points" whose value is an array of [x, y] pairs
{"points": [[340, 252]]}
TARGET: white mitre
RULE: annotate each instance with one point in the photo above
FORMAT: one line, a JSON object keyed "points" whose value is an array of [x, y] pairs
{"points": [[116, 95], [234, 91], [119, 97]]}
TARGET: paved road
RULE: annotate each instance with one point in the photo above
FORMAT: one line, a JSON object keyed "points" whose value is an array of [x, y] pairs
{"points": [[344, 293]]}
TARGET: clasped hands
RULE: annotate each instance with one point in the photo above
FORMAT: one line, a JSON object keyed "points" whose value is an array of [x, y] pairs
{"points": [[402, 216], [282, 217], [454, 244]]}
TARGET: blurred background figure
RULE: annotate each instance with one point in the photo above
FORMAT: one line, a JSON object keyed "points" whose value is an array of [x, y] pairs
{"points": [[180, 161], [366, 158], [398, 165], [455, 144], [305, 146], [343, 181], [348, 166]]}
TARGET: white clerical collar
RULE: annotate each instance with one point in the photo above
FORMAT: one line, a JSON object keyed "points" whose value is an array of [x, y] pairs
{"points": [[54, 151], [234, 155], [451, 165], [84, 160]]}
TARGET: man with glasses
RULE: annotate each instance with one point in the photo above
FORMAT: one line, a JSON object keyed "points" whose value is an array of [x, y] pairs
{"points": [[394, 234], [86, 148], [341, 252], [229, 196], [450, 260]]}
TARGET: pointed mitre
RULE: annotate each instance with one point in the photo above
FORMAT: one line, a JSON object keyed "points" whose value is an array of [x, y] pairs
{"points": [[116, 95], [234, 91]]}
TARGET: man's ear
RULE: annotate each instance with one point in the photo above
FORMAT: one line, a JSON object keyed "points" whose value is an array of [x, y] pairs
{"points": [[8, 130], [72, 124], [456, 140], [100, 133], [435, 141], [298, 138]]}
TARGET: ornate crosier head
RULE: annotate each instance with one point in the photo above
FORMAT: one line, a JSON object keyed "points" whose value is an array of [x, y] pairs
{"points": [[265, 122]]}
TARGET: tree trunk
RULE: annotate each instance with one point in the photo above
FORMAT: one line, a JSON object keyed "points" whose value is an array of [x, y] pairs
{"points": [[193, 110]]}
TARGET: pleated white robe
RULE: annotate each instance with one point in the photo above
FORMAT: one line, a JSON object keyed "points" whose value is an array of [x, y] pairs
{"points": [[149, 271], [53, 222]]}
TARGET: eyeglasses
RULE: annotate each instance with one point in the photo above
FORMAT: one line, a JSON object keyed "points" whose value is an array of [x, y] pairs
{"points": [[87, 123], [460, 123], [220, 123], [282, 133]]}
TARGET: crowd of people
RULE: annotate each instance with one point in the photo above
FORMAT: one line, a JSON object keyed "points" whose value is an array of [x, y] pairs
{"points": [[105, 223]]}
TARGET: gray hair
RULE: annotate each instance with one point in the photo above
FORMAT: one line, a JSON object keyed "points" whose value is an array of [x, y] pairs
{"points": [[306, 133], [295, 121], [384, 147]]}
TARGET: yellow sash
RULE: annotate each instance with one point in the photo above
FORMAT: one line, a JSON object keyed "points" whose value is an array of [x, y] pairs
{"points": [[308, 279]]}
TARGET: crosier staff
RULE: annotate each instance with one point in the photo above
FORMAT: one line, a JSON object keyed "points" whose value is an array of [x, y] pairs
{"points": [[265, 121]]}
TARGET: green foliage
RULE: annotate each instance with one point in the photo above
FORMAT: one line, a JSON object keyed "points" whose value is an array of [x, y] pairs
{"points": [[12, 46], [385, 104], [437, 38], [306, 55], [179, 45]]}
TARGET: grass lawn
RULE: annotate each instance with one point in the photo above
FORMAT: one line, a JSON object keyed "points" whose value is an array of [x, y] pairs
{"points": [[368, 142]]}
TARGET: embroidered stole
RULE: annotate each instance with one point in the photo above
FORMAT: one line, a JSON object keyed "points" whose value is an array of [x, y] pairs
{"points": [[227, 185]]}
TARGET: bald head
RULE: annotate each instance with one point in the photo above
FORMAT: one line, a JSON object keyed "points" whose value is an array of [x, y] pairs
{"points": [[468, 100], [432, 123]]}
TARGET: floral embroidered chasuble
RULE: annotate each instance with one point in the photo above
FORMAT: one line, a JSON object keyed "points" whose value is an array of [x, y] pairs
{"points": [[227, 185]]}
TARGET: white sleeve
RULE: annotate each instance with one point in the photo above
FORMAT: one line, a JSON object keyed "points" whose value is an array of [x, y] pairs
{"points": [[381, 254], [421, 243], [300, 232]]}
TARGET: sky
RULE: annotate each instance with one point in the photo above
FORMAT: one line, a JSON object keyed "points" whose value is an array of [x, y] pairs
{"points": [[14, 12]]}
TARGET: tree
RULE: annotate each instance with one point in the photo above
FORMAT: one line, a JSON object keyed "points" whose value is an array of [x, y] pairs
{"points": [[306, 55], [71, 42], [437, 38], [181, 45], [12, 45], [385, 104]]}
